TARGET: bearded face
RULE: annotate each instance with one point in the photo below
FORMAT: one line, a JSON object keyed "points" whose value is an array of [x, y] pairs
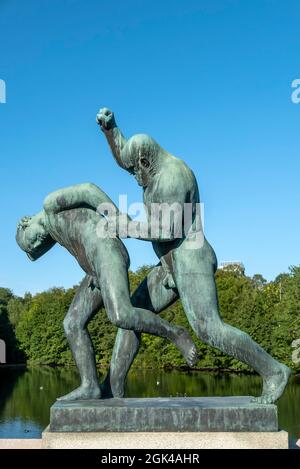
{"points": [[142, 171]]}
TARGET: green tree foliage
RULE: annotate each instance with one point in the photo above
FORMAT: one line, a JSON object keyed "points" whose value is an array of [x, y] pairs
{"points": [[40, 330], [269, 312], [286, 315], [7, 332], [16, 307]]}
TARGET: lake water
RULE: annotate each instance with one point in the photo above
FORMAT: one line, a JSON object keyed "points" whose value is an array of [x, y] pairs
{"points": [[26, 394]]}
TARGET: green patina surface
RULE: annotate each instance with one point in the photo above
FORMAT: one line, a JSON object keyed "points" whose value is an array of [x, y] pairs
{"points": [[206, 414], [186, 270]]}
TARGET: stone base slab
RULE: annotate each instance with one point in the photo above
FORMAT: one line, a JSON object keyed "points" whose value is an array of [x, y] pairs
{"points": [[15, 443], [165, 441], [171, 415]]}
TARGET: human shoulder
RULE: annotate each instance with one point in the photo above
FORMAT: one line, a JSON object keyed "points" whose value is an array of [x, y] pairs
{"points": [[176, 173]]}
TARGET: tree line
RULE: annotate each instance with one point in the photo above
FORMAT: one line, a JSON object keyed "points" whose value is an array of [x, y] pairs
{"points": [[269, 311]]}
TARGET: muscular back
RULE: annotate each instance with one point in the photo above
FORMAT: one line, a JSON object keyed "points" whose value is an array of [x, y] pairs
{"points": [[76, 230]]}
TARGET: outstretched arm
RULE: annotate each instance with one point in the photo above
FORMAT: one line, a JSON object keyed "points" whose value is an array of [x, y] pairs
{"points": [[116, 140], [80, 195]]}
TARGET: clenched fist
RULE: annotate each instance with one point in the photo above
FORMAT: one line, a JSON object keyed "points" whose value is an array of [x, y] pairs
{"points": [[106, 119]]}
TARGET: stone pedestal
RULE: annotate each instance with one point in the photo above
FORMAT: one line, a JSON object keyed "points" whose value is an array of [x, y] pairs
{"points": [[164, 423], [165, 441], [199, 414]]}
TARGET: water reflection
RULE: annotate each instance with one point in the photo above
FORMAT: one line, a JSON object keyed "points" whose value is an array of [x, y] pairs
{"points": [[27, 394]]}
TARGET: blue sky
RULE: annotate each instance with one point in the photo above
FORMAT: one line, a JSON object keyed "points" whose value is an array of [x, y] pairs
{"points": [[209, 80]]}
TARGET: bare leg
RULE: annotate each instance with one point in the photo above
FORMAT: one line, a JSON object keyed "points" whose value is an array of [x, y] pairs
{"points": [[199, 298], [85, 304], [116, 299], [150, 295]]}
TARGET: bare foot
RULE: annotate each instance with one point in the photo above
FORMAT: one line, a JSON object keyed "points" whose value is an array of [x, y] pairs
{"points": [[185, 344], [274, 386], [82, 393]]}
